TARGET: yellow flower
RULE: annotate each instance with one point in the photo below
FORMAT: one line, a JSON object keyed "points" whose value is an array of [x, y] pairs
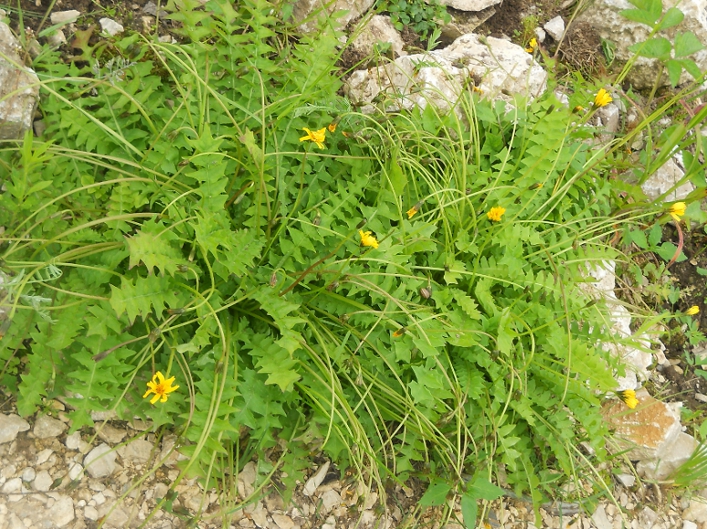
{"points": [[578, 109], [332, 127], [629, 397], [677, 210], [602, 98], [367, 239], [317, 136], [160, 387], [413, 210], [496, 213], [399, 332], [693, 310], [532, 45]]}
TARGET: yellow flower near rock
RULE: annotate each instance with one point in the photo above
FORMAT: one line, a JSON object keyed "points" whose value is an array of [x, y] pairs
{"points": [[317, 136], [161, 387], [496, 213], [629, 398], [367, 239], [532, 45], [677, 210], [693, 310], [602, 98]]}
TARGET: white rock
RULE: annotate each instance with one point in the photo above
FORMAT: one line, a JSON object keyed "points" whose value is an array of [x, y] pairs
{"points": [[647, 518], [627, 480], [62, 512], [12, 485], [100, 462], [555, 28], [669, 457], [464, 22], [607, 118], [260, 515], [43, 481], [8, 471], [44, 455], [62, 17], [73, 441], [46, 427], [469, 5], [160, 490], [540, 35], [330, 499], [56, 39], [605, 18], [90, 513], [696, 512], [600, 519], [99, 498], [28, 474], [283, 521], [304, 9], [246, 480], [310, 487], [75, 471], [110, 434], [665, 179], [687, 524], [136, 452], [378, 30], [10, 425], [440, 76], [110, 26]]}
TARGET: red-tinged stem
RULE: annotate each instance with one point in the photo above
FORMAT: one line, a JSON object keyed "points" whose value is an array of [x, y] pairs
{"points": [[679, 249]]}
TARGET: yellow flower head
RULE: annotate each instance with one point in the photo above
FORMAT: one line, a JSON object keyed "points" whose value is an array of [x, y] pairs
{"points": [[578, 109], [532, 45], [317, 136], [399, 332], [693, 310], [413, 211], [161, 387], [629, 397], [602, 98], [496, 213], [367, 239], [677, 210], [332, 127]]}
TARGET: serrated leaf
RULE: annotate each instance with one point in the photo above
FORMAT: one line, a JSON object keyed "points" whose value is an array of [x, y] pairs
{"points": [[638, 15], [151, 247], [655, 48], [687, 44], [673, 16], [691, 68], [140, 298], [467, 304]]}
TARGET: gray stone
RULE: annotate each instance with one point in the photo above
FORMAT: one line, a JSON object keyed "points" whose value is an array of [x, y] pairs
{"points": [[12, 485], [90, 513], [312, 484], [668, 458], [44, 455], [46, 427], [10, 425], [283, 521], [246, 480], [378, 29], [627, 480], [43, 481], [110, 26], [62, 512], [470, 5], [100, 462], [308, 12], [110, 434], [600, 519], [464, 22], [136, 452], [555, 28], [75, 471], [65, 17], [605, 18], [666, 181], [56, 39], [330, 499], [260, 515], [687, 524], [647, 518], [28, 474], [696, 512], [73, 441], [502, 69]]}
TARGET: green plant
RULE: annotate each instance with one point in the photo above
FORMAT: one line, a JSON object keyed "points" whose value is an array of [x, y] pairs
{"points": [[420, 16]]}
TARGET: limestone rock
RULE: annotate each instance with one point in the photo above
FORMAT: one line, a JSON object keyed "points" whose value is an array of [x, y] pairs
{"points": [[307, 12], [665, 179], [43, 481], [648, 431], [136, 452], [604, 17], [555, 28], [696, 512], [11, 425], [313, 482], [110, 434], [246, 480], [470, 5], [46, 427], [100, 462], [503, 69], [110, 26], [670, 458], [378, 29], [64, 17], [464, 22], [19, 88]]}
